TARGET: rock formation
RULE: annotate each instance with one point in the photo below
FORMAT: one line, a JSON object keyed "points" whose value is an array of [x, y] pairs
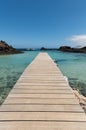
{"points": [[81, 99], [6, 49], [69, 49], [43, 48]]}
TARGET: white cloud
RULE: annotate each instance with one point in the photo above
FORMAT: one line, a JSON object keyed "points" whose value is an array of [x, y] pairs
{"points": [[79, 39]]}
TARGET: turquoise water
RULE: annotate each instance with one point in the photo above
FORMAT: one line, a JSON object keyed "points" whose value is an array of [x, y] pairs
{"points": [[72, 65]]}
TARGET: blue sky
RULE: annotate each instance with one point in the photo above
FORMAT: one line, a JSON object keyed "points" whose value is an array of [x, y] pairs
{"points": [[48, 23]]}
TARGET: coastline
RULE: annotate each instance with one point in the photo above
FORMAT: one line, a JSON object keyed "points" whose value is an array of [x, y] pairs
{"points": [[6, 49], [71, 49], [81, 99]]}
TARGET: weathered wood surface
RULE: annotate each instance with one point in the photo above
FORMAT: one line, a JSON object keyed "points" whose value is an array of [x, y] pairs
{"points": [[42, 100]]}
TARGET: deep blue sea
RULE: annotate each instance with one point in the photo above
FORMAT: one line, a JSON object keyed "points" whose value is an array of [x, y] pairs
{"points": [[73, 65]]}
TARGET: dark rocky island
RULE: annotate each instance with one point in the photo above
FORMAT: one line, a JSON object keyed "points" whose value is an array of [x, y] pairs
{"points": [[70, 49], [43, 49], [7, 49]]}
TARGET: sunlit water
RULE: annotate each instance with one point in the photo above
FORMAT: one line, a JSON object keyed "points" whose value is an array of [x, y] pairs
{"points": [[73, 65]]}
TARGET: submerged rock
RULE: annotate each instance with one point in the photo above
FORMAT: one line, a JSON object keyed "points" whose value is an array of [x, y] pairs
{"points": [[7, 49]]}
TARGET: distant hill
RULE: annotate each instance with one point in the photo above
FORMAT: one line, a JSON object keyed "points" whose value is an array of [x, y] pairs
{"points": [[7, 49], [69, 49], [43, 48]]}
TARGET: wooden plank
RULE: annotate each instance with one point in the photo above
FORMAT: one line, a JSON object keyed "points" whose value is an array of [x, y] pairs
{"points": [[47, 108], [34, 87], [40, 101], [42, 85], [42, 116], [66, 96], [39, 81], [40, 91], [42, 77], [42, 125], [45, 84]]}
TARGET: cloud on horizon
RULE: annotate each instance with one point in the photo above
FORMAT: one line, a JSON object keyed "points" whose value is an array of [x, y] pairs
{"points": [[78, 39]]}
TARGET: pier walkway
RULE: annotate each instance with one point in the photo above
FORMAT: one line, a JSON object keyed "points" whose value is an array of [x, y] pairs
{"points": [[42, 100]]}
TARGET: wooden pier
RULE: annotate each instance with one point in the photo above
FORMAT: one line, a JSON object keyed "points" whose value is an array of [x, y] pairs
{"points": [[42, 100]]}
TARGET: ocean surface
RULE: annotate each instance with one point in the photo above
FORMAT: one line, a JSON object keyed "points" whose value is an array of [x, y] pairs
{"points": [[73, 65]]}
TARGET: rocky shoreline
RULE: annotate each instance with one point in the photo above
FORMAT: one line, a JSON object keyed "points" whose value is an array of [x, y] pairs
{"points": [[80, 98], [70, 49], [7, 49]]}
